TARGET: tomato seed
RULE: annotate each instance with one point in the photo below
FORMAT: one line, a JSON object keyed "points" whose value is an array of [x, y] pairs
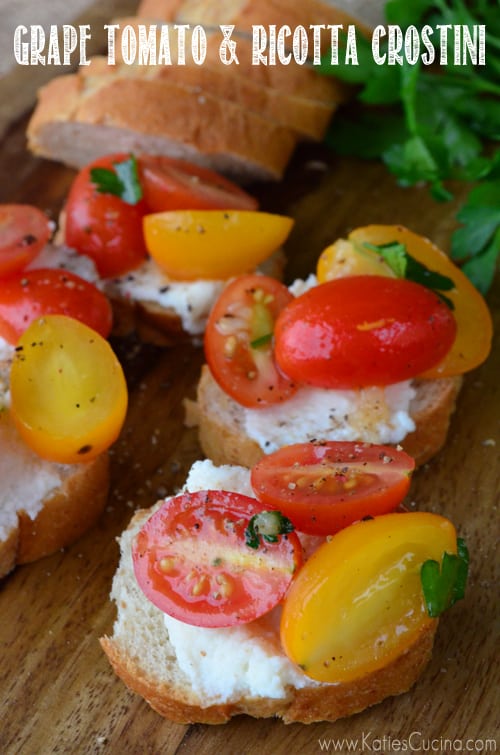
{"points": [[199, 586], [225, 584], [166, 564], [230, 346]]}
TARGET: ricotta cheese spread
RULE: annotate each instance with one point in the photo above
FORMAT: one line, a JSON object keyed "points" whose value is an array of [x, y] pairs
{"points": [[232, 662], [190, 300], [27, 480], [64, 258], [374, 415]]}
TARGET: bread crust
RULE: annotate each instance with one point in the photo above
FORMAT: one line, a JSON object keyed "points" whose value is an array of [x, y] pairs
{"points": [[223, 439], [136, 114], [326, 702], [308, 117], [292, 79], [63, 518]]}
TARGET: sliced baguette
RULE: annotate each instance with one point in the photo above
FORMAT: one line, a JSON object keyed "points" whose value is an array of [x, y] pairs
{"points": [[223, 439], [79, 118], [142, 655], [309, 118], [291, 79], [33, 525]]}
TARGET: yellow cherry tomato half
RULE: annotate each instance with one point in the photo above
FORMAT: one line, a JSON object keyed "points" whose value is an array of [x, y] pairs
{"points": [[474, 325], [69, 396], [357, 603], [213, 244]]}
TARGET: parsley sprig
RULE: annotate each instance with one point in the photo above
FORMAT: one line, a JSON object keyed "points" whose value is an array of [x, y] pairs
{"points": [[404, 265], [434, 126], [267, 525], [122, 182], [443, 587]]}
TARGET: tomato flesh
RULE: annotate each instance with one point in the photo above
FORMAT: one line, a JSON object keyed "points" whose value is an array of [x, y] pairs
{"points": [[69, 395], [24, 231], [238, 341], [357, 603], [363, 330], [170, 184], [103, 226], [325, 486], [213, 244], [26, 296], [192, 562]]}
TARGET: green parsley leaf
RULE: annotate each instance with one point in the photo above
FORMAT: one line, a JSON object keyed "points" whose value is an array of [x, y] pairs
{"points": [[123, 182], [481, 268], [262, 341], [443, 587], [404, 265], [432, 125], [106, 181], [267, 525]]}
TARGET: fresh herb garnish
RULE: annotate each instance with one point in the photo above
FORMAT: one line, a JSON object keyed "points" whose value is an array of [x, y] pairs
{"points": [[404, 265], [122, 182], [434, 125], [267, 525], [443, 587], [262, 341]]}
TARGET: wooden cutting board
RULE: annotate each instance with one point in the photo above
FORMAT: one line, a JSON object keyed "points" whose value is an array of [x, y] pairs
{"points": [[58, 693]]}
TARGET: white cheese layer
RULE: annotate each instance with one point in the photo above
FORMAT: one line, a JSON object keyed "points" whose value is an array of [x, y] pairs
{"points": [[63, 258], [190, 300], [226, 664], [26, 480], [374, 415], [7, 350]]}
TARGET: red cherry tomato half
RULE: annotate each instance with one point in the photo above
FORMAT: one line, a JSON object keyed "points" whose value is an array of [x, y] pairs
{"points": [[102, 225], [24, 231], [323, 487], [170, 184], [191, 560], [26, 296], [239, 341], [363, 330]]}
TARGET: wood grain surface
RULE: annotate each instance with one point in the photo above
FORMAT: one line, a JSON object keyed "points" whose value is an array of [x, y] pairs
{"points": [[58, 693]]}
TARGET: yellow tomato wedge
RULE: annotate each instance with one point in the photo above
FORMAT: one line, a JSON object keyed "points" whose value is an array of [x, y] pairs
{"points": [[213, 244], [357, 603], [474, 325], [69, 396]]}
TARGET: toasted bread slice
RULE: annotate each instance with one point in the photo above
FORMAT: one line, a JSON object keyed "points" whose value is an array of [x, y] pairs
{"points": [[223, 438], [143, 656], [44, 506]]}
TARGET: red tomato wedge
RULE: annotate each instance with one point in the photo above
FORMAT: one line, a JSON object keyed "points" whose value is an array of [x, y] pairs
{"points": [[239, 341], [192, 561], [363, 330], [24, 231], [24, 297], [323, 487], [102, 225], [170, 184]]}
